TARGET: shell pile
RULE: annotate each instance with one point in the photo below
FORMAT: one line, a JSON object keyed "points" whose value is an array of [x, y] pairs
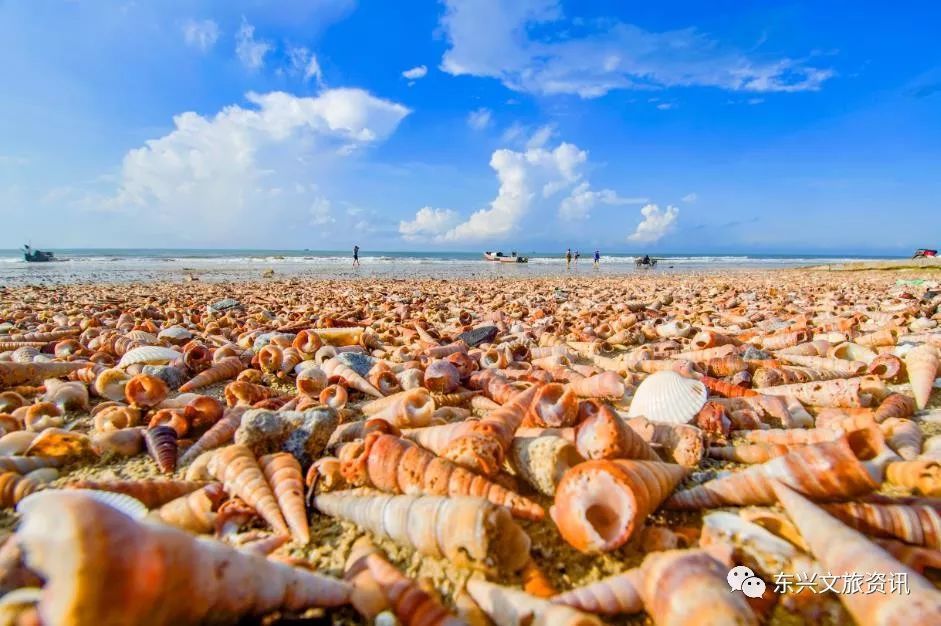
{"points": [[424, 452]]}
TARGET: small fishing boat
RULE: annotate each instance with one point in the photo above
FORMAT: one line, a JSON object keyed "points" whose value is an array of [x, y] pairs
{"points": [[502, 258], [924, 253], [37, 256]]}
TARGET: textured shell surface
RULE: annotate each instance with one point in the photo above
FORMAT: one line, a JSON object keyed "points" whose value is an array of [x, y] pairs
{"points": [[150, 355], [669, 398], [129, 505], [177, 333]]}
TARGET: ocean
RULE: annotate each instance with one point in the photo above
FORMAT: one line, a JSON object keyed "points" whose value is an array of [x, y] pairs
{"points": [[132, 265]]}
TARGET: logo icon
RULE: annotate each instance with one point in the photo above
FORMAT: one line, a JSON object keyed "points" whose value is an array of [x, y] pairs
{"points": [[741, 578]]}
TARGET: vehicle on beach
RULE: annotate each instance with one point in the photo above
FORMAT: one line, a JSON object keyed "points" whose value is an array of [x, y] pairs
{"points": [[644, 263], [502, 258], [38, 256], [924, 253]]}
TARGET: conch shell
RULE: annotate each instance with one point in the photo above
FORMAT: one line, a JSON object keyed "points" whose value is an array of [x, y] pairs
{"points": [[13, 374], [842, 550], [922, 476], [103, 568], [405, 409], [599, 504], [194, 511], [152, 493], [467, 531], [904, 436], [283, 473], [922, 366], [668, 397], [850, 466], [602, 434], [397, 465], [225, 369], [511, 607], [919, 524], [241, 475]]}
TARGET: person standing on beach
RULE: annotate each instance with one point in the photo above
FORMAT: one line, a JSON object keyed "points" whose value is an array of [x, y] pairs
{"points": [[597, 258], [568, 257], [355, 256], [577, 254]]}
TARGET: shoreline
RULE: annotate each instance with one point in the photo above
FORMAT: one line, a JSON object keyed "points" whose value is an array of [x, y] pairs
{"points": [[930, 264]]}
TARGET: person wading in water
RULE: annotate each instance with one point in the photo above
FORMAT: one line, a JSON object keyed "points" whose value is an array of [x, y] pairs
{"points": [[355, 256]]}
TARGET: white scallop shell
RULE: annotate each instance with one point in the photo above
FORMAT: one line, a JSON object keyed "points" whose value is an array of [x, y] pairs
{"points": [[148, 355], [669, 398], [129, 505], [141, 336], [673, 328], [175, 333]]}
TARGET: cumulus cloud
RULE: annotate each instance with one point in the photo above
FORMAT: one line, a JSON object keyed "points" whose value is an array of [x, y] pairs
{"points": [[479, 119], [415, 73], [497, 39], [428, 222], [200, 34], [235, 173], [578, 204], [530, 178], [251, 52], [656, 223]]}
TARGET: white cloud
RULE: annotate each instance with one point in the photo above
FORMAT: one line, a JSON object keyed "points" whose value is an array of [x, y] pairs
{"points": [[479, 119], [578, 204], [690, 198], [305, 63], [201, 34], [666, 106], [251, 51], [214, 177], [529, 178], [656, 223], [428, 222], [416, 72], [492, 38]]}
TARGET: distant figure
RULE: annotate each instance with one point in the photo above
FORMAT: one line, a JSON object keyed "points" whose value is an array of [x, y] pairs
{"points": [[568, 257], [597, 258], [646, 260], [577, 254], [355, 256]]}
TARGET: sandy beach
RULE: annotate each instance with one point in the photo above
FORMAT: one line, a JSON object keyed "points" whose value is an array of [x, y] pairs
{"points": [[540, 388]]}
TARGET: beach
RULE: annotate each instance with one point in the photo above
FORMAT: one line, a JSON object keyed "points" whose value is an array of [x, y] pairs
{"points": [[540, 371]]}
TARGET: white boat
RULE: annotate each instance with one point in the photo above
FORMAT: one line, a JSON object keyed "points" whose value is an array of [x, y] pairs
{"points": [[502, 258]]}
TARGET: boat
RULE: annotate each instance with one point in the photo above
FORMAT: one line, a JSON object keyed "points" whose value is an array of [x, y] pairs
{"points": [[38, 256], [924, 253], [502, 258]]}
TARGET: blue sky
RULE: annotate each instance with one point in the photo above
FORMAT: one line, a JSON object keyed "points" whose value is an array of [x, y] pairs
{"points": [[467, 125]]}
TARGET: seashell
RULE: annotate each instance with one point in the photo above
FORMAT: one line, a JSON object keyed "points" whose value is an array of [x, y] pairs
{"points": [[203, 411], [838, 366], [311, 380], [849, 466], [14, 487], [904, 436], [488, 538], [194, 511], [915, 524], [39, 417], [477, 336], [60, 444], [851, 352], [115, 418], [785, 339], [357, 361], [307, 342], [270, 359], [790, 436], [604, 435], [283, 473], [124, 442], [16, 442], [333, 396], [680, 443], [145, 391], [599, 504], [241, 476], [842, 550], [405, 409], [26, 464], [673, 328], [148, 355], [241, 393], [923, 476], [507, 606], [917, 558], [110, 384], [222, 583], [609, 596], [351, 431], [884, 337], [68, 396], [554, 405], [219, 434], [161, 443], [895, 405], [336, 369], [13, 374], [750, 453], [225, 369], [154, 493], [887, 367], [922, 366], [535, 581], [669, 398], [395, 465], [175, 335], [10, 401]]}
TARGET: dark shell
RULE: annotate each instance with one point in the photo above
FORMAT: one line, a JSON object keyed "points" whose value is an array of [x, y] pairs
{"points": [[477, 336], [173, 376], [752, 353], [162, 446], [224, 305], [358, 362]]}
